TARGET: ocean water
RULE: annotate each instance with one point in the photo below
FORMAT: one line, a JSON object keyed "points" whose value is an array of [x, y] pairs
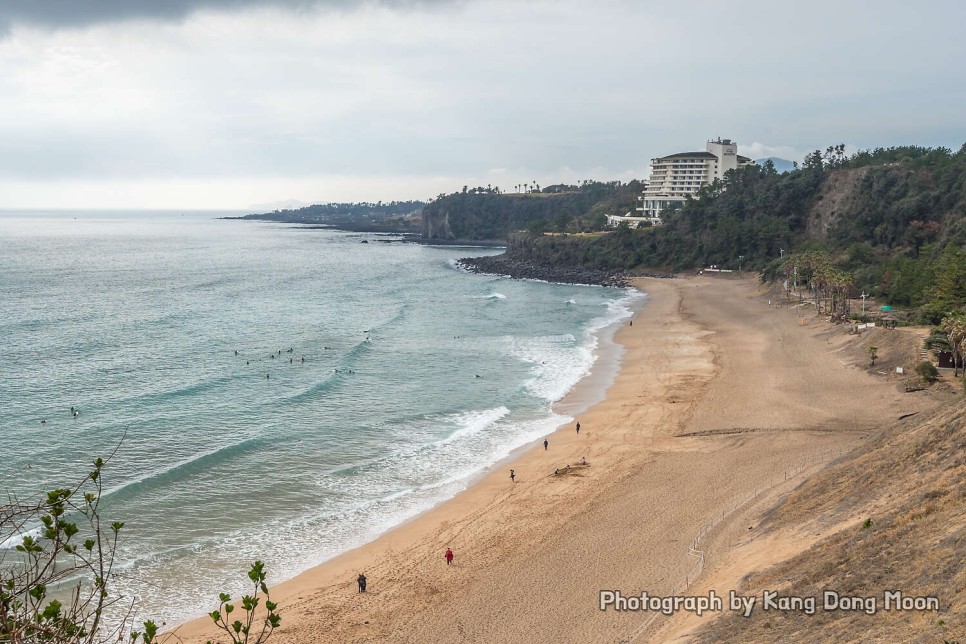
{"points": [[416, 377]]}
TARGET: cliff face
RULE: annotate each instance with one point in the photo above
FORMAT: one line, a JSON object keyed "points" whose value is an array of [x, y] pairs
{"points": [[836, 198], [436, 224]]}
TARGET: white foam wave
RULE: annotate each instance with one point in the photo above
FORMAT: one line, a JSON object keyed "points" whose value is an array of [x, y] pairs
{"points": [[617, 310], [11, 542], [402, 485], [432, 465], [356, 522], [558, 363], [470, 423]]}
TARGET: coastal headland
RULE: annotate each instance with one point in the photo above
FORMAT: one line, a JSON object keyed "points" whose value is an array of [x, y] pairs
{"points": [[723, 405]]}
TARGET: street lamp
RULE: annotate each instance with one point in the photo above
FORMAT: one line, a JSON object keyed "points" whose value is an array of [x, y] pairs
{"points": [[863, 296], [740, 257]]}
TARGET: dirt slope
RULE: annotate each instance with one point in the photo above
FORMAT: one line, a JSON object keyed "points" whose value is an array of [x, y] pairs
{"points": [[893, 517]]}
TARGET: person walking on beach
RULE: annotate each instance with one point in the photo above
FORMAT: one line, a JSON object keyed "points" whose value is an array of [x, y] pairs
{"points": [[513, 476], [545, 444], [449, 556], [578, 426], [362, 583]]}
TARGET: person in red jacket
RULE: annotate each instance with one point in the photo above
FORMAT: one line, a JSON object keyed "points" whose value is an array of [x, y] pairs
{"points": [[449, 556]]}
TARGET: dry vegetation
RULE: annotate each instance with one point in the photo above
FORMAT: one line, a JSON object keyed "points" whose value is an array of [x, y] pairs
{"points": [[894, 517]]}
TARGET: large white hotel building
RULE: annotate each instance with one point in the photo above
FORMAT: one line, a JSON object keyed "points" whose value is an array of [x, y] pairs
{"points": [[676, 176]]}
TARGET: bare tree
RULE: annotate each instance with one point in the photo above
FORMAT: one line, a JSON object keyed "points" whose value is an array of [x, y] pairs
{"points": [[56, 582]]}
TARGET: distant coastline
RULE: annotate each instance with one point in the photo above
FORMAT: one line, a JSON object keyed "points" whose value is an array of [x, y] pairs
{"points": [[405, 234]]}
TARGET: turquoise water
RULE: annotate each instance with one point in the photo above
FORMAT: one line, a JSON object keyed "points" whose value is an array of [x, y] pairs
{"points": [[416, 377]]}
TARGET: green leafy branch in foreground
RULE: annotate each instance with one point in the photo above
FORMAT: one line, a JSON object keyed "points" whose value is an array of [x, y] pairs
{"points": [[240, 631], [55, 585]]}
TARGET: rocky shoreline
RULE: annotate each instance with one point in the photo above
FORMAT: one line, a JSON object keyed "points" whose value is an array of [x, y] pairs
{"points": [[523, 269]]}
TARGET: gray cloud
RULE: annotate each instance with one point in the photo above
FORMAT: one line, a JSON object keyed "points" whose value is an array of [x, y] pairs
{"points": [[57, 14], [238, 101]]}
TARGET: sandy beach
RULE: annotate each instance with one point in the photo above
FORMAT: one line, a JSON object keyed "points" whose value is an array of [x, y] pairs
{"points": [[722, 404]]}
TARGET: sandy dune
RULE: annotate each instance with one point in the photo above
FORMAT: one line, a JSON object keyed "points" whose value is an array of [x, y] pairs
{"points": [[720, 396]]}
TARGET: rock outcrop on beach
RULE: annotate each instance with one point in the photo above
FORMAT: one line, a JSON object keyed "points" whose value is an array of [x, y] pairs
{"points": [[523, 269]]}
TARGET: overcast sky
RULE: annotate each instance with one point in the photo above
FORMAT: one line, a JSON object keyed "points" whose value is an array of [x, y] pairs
{"points": [[228, 103]]}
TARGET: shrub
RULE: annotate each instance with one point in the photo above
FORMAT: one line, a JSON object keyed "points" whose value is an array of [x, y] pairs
{"points": [[927, 371]]}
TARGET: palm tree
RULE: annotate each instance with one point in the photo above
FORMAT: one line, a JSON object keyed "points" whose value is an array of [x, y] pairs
{"points": [[955, 325]]}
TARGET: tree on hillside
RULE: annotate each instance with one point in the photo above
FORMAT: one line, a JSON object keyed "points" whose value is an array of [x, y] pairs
{"points": [[947, 291], [954, 325]]}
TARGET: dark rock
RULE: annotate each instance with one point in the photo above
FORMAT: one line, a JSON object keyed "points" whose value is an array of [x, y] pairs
{"points": [[526, 269]]}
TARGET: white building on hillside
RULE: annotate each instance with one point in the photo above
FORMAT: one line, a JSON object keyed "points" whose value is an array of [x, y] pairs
{"points": [[633, 221], [676, 176]]}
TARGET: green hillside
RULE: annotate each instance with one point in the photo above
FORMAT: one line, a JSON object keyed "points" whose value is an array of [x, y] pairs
{"points": [[487, 213], [890, 221]]}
